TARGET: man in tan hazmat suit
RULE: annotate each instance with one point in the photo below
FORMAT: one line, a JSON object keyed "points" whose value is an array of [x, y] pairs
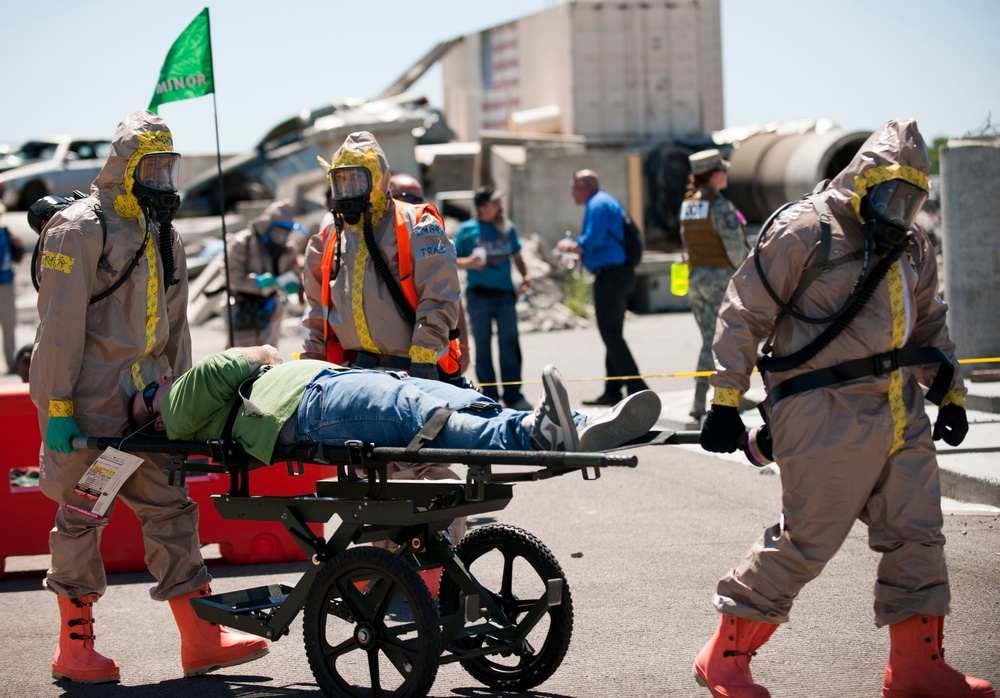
{"points": [[352, 318], [112, 308], [846, 414], [263, 268]]}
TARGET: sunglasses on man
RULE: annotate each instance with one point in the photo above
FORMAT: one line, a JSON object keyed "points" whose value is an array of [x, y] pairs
{"points": [[410, 198], [148, 393]]}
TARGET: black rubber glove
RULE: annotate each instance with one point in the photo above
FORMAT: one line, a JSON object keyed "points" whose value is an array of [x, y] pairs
{"points": [[428, 371], [952, 424], [723, 429]]}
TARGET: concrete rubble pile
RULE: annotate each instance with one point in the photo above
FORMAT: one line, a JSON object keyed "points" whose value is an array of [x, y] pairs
{"points": [[543, 308]]}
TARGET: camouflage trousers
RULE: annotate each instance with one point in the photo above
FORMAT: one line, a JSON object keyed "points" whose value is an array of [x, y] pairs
{"points": [[706, 289]]}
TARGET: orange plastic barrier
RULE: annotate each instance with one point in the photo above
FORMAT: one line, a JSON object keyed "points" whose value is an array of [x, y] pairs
{"points": [[31, 513]]}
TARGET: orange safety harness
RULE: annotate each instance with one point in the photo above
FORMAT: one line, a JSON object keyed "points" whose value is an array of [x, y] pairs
{"points": [[335, 352]]}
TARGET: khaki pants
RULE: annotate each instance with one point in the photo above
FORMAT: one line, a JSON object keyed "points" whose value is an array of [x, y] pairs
{"points": [[169, 529]]}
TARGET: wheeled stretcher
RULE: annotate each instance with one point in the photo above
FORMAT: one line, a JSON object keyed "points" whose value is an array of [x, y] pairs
{"points": [[371, 625]]}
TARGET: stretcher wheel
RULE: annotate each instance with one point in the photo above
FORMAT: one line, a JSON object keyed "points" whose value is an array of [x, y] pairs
{"points": [[371, 627], [515, 567]]}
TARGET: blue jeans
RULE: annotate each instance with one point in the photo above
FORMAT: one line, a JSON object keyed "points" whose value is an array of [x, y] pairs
{"points": [[485, 307], [388, 410]]}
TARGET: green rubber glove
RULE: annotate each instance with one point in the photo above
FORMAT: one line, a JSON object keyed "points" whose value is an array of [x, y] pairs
{"points": [[59, 432], [289, 281], [265, 280]]}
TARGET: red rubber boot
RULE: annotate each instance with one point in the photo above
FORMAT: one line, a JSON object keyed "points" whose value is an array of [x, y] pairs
{"points": [[206, 646], [75, 658], [916, 666], [723, 665]]}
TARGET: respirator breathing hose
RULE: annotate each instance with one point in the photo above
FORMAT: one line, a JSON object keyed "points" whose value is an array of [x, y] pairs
{"points": [[167, 254], [382, 267], [773, 364]]}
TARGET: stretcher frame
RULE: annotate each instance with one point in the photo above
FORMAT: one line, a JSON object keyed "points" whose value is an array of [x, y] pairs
{"points": [[473, 623]]}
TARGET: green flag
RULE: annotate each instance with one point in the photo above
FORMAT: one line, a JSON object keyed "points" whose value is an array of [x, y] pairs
{"points": [[187, 72]]}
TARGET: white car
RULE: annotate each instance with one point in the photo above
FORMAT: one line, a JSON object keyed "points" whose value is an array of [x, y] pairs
{"points": [[66, 164]]}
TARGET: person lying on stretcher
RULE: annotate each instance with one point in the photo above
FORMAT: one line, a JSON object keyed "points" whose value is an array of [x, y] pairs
{"points": [[307, 402]]}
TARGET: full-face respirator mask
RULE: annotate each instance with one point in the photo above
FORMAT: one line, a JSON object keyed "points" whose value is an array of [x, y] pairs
{"points": [[889, 210], [276, 236], [155, 184], [350, 189]]}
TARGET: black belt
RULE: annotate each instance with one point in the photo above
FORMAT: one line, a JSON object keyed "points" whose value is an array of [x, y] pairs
{"points": [[872, 366], [366, 359]]}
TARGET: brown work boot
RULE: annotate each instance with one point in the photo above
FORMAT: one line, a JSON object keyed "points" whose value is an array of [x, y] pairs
{"points": [[723, 665], [206, 646], [916, 666], [75, 658]]}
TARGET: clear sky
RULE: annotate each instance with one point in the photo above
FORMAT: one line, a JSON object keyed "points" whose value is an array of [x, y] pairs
{"points": [[79, 67]]}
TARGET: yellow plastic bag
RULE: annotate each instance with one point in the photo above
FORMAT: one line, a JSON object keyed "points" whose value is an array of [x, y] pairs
{"points": [[679, 278]]}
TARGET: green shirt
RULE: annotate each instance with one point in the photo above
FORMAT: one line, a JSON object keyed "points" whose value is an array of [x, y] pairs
{"points": [[197, 405]]}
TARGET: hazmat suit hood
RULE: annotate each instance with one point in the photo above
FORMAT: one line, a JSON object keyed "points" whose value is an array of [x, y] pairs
{"points": [[362, 150], [139, 133], [276, 211], [894, 151]]}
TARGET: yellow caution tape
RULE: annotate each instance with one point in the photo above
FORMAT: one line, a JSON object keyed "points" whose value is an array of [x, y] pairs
{"points": [[686, 374]]}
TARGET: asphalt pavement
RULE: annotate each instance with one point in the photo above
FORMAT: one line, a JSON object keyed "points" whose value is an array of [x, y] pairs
{"points": [[641, 548]]}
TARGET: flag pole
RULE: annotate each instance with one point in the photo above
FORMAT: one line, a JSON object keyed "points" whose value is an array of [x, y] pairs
{"points": [[222, 195]]}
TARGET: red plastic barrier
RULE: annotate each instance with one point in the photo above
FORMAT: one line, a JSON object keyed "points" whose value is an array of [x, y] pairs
{"points": [[240, 542]]}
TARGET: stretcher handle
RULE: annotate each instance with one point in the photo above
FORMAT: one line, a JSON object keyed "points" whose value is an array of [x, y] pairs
{"points": [[340, 455], [746, 445], [142, 445], [685, 437], [499, 457]]}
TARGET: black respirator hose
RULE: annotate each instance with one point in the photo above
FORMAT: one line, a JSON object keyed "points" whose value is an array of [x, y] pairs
{"points": [[167, 254], [165, 239], [382, 267], [774, 364], [338, 221]]}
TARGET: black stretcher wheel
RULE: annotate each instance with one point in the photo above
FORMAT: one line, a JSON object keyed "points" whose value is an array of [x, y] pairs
{"points": [[371, 627], [515, 567]]}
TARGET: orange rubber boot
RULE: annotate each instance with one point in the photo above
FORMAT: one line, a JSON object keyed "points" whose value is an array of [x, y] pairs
{"points": [[916, 666], [75, 658], [723, 665], [206, 646]]}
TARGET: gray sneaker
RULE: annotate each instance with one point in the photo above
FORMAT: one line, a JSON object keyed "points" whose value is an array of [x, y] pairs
{"points": [[551, 425], [629, 419]]}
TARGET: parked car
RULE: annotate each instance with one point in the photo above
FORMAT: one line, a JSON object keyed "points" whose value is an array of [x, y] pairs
{"points": [[28, 153], [54, 166]]}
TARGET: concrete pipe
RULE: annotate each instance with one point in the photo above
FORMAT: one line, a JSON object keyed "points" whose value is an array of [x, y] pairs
{"points": [[770, 169], [970, 170]]}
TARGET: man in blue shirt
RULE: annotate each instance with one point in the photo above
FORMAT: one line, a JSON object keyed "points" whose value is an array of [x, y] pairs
{"points": [[602, 247], [485, 247]]}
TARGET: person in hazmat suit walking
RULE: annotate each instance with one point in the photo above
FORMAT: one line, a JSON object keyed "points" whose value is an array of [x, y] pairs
{"points": [[842, 290]]}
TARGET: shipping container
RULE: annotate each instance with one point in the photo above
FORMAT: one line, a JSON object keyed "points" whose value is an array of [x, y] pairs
{"points": [[622, 72]]}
